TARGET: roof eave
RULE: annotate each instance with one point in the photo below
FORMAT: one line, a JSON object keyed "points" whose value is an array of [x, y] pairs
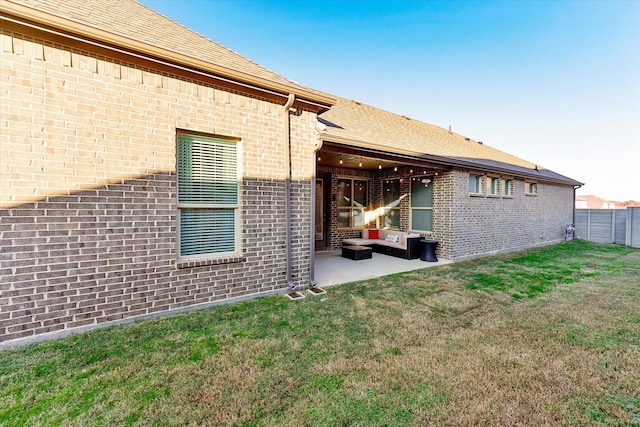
{"points": [[68, 26], [451, 161]]}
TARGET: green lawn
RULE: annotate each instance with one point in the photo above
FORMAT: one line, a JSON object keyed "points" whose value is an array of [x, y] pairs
{"points": [[548, 336]]}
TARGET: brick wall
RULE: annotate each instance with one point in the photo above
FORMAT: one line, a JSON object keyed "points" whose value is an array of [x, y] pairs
{"points": [[441, 201], [468, 226], [484, 225], [88, 189], [442, 214]]}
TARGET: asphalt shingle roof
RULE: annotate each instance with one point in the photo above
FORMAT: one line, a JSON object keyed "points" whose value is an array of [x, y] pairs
{"points": [[135, 21], [363, 125]]}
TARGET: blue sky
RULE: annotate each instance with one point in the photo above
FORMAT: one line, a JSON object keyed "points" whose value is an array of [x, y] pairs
{"points": [[554, 82]]}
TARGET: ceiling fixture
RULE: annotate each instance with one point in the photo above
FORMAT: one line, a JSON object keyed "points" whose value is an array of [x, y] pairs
{"points": [[395, 169], [379, 165], [360, 164], [340, 158]]}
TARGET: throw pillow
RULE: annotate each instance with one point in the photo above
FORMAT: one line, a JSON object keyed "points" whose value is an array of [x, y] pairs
{"points": [[393, 238], [373, 233]]}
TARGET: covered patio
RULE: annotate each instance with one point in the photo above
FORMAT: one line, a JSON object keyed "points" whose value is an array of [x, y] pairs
{"points": [[332, 269]]}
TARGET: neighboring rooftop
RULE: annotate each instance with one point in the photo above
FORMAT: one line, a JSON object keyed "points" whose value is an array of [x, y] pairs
{"points": [[595, 202]]}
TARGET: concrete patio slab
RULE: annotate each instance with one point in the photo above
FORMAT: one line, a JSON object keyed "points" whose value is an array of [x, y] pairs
{"points": [[332, 269]]}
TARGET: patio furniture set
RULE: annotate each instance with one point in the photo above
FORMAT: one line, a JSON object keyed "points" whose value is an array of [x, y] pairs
{"points": [[389, 242]]}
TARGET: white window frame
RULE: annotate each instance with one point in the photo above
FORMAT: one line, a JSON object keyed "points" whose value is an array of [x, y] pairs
{"points": [[352, 208], [388, 209], [235, 207], [507, 188], [414, 181], [531, 188], [492, 190], [477, 184]]}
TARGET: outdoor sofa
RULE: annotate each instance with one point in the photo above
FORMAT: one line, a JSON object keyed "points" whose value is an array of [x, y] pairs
{"points": [[389, 242]]}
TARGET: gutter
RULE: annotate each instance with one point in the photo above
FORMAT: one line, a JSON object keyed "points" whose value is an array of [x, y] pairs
{"points": [[288, 175], [370, 149]]}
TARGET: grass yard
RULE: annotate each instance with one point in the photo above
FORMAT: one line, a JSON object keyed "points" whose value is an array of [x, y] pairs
{"points": [[548, 336]]}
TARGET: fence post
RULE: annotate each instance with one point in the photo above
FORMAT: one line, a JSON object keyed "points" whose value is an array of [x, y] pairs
{"points": [[613, 226], [627, 238], [633, 227]]}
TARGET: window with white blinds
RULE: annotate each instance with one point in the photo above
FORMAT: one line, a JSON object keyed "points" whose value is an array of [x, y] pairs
{"points": [[207, 195]]}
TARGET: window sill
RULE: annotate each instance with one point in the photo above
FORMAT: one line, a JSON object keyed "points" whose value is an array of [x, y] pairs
{"points": [[192, 263], [476, 195]]}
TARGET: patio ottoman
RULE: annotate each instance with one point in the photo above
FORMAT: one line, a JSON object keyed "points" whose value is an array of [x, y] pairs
{"points": [[357, 252]]}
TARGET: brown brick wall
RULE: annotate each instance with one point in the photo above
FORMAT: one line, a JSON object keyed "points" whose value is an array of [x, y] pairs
{"points": [[442, 213], [88, 217], [484, 225], [468, 226]]}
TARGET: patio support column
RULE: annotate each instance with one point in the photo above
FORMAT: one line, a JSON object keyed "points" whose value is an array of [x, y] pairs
{"points": [[312, 245]]}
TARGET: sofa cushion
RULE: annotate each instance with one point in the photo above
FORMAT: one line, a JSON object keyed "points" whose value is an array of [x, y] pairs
{"points": [[373, 233]]}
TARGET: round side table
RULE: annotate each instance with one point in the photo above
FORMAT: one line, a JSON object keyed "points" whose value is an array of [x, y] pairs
{"points": [[429, 250]]}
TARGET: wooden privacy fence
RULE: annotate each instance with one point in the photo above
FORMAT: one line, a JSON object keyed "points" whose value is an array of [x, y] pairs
{"points": [[620, 226]]}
